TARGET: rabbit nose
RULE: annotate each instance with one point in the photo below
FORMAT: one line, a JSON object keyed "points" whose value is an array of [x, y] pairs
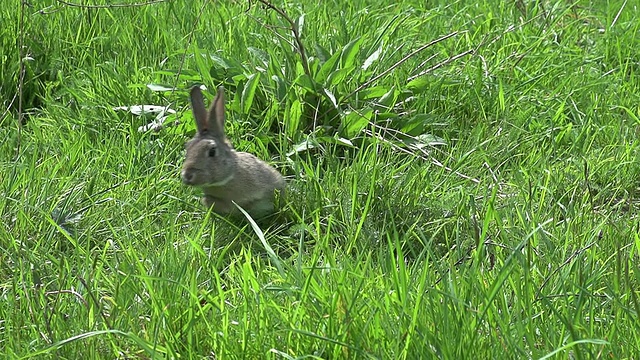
{"points": [[187, 176]]}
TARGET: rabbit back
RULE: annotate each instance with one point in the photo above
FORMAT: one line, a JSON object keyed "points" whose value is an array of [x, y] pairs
{"points": [[253, 187]]}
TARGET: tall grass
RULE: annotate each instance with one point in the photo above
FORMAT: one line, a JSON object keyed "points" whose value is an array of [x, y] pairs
{"points": [[482, 207]]}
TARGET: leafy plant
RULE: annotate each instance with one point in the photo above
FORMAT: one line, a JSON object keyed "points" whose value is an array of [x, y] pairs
{"points": [[332, 94]]}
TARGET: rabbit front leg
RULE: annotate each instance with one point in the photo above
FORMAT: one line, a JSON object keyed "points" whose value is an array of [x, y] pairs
{"points": [[220, 206]]}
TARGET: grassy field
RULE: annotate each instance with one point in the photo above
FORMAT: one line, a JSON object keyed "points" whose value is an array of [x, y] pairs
{"points": [[477, 198]]}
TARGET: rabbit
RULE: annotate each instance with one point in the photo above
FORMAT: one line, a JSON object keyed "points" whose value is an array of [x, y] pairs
{"points": [[226, 175]]}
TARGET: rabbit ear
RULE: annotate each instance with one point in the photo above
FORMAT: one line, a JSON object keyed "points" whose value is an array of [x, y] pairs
{"points": [[199, 111], [216, 114]]}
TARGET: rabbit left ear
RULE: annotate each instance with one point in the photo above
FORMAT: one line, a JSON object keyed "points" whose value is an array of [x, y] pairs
{"points": [[216, 114], [199, 110]]}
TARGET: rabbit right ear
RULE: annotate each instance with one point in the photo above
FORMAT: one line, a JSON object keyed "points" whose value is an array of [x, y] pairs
{"points": [[216, 114], [199, 110]]}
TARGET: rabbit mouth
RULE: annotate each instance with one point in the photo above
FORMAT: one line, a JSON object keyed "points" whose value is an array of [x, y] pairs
{"points": [[191, 177], [194, 177], [220, 183]]}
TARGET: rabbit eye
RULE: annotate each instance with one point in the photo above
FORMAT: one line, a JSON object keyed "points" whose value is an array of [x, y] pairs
{"points": [[212, 152]]}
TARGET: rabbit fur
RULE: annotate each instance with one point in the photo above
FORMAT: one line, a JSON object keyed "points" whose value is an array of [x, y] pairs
{"points": [[226, 175]]}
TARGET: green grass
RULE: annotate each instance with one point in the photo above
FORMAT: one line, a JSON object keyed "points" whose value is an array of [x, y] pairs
{"points": [[487, 209]]}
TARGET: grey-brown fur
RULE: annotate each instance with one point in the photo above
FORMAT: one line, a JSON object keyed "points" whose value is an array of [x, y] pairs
{"points": [[226, 175]]}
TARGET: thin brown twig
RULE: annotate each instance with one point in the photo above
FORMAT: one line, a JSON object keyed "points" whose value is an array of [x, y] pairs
{"points": [[427, 60], [393, 133], [296, 34], [407, 57], [442, 63], [423, 154], [72, 292], [96, 303], [400, 62], [189, 42], [273, 29], [150, 2], [556, 270]]}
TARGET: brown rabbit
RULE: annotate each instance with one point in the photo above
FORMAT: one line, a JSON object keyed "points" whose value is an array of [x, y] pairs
{"points": [[226, 175]]}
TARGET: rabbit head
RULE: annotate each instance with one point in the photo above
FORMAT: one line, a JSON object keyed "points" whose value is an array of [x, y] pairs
{"points": [[209, 160]]}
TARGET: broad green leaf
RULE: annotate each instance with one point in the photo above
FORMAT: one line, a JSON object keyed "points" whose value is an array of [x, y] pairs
{"points": [[306, 83], [372, 92], [372, 58], [272, 114], [343, 141], [339, 76], [217, 74], [423, 141], [227, 63], [331, 97], [350, 51], [239, 80], [307, 144], [328, 68], [354, 122], [160, 88], [321, 53], [415, 125], [292, 119], [235, 105], [220, 61], [299, 69], [300, 24], [281, 87], [314, 66], [260, 55], [419, 85], [337, 140], [249, 91], [388, 100], [185, 127], [142, 110], [224, 68], [382, 116]]}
